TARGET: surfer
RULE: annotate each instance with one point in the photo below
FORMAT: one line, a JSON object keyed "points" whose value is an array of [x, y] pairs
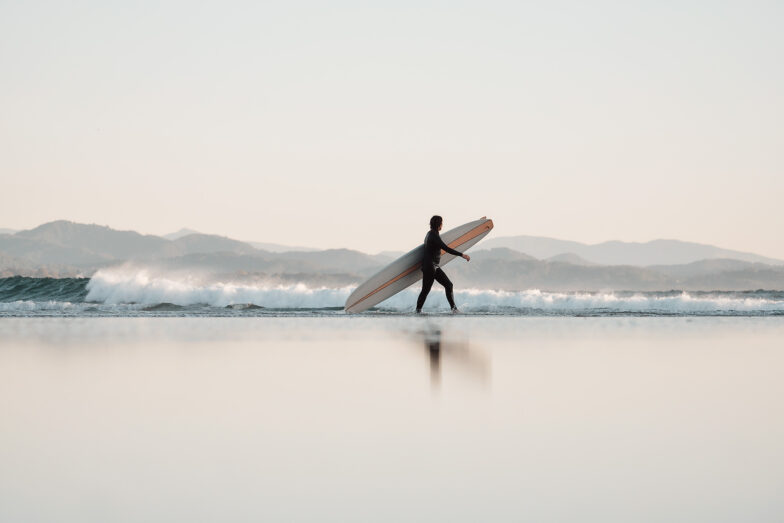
{"points": [[430, 264]]}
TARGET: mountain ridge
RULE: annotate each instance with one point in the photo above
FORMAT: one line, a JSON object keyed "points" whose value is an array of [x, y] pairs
{"points": [[616, 252], [63, 248]]}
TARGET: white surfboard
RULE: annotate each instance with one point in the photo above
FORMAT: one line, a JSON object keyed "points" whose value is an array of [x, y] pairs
{"points": [[406, 270]]}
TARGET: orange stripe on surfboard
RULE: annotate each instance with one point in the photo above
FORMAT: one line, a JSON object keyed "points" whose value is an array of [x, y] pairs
{"points": [[470, 235]]}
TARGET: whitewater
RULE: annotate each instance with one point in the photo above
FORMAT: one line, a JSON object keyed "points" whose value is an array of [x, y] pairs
{"points": [[140, 293]]}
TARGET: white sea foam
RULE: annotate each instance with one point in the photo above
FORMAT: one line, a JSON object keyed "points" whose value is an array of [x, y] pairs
{"points": [[536, 300], [675, 303], [66, 308], [141, 287], [30, 306]]}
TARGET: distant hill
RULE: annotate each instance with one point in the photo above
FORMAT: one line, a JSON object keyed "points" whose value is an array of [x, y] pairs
{"points": [[7, 231], [351, 266], [569, 257], [705, 267], [86, 244], [179, 234], [263, 246], [488, 272], [391, 255], [330, 260], [500, 253], [205, 243], [33, 253], [277, 247], [65, 248], [656, 252], [11, 266]]}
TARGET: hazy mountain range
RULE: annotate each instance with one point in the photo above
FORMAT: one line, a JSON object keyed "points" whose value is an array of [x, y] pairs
{"points": [[63, 248], [264, 246], [656, 252]]}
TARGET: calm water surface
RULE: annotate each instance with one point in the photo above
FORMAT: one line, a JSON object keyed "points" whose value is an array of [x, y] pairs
{"points": [[391, 419]]}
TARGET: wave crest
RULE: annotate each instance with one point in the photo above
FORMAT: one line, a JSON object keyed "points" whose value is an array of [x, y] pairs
{"points": [[129, 290], [114, 287]]}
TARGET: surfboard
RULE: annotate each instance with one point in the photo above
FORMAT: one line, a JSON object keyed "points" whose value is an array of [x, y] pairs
{"points": [[406, 270]]}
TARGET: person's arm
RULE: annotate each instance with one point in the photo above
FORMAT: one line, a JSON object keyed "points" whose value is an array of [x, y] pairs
{"points": [[448, 249]]}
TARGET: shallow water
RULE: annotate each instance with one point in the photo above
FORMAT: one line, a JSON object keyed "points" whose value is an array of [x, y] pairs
{"points": [[391, 419]]}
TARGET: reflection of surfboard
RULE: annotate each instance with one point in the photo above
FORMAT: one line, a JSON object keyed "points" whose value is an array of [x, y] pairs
{"points": [[406, 270]]}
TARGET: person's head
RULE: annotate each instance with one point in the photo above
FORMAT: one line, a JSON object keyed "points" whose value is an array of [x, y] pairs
{"points": [[436, 222]]}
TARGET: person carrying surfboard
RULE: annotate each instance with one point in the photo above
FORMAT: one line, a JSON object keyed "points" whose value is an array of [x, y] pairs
{"points": [[430, 264]]}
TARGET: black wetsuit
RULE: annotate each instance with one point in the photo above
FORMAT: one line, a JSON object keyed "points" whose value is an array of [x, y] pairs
{"points": [[430, 269]]}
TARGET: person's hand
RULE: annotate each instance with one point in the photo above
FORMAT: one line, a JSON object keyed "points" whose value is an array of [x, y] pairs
{"points": [[467, 257]]}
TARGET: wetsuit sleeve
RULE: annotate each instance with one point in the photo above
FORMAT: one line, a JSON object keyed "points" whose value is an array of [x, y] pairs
{"points": [[448, 249]]}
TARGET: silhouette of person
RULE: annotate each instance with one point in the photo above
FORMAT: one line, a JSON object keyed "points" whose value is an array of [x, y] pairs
{"points": [[430, 264]]}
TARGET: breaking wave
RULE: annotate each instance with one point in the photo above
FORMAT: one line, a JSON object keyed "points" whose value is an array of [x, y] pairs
{"points": [[141, 287], [118, 292]]}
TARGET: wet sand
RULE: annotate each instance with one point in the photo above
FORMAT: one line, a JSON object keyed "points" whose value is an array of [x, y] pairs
{"points": [[391, 419]]}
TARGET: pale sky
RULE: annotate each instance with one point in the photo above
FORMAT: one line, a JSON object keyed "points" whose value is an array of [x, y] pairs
{"points": [[335, 124]]}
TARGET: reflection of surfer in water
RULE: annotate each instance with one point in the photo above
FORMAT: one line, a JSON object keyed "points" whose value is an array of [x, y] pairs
{"points": [[430, 264]]}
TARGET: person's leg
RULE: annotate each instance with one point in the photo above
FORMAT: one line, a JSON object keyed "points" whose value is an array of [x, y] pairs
{"points": [[427, 283], [442, 278]]}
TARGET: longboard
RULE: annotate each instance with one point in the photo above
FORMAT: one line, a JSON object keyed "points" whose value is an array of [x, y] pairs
{"points": [[406, 270]]}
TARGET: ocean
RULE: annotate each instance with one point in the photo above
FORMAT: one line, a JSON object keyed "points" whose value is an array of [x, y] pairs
{"points": [[140, 294], [138, 397]]}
